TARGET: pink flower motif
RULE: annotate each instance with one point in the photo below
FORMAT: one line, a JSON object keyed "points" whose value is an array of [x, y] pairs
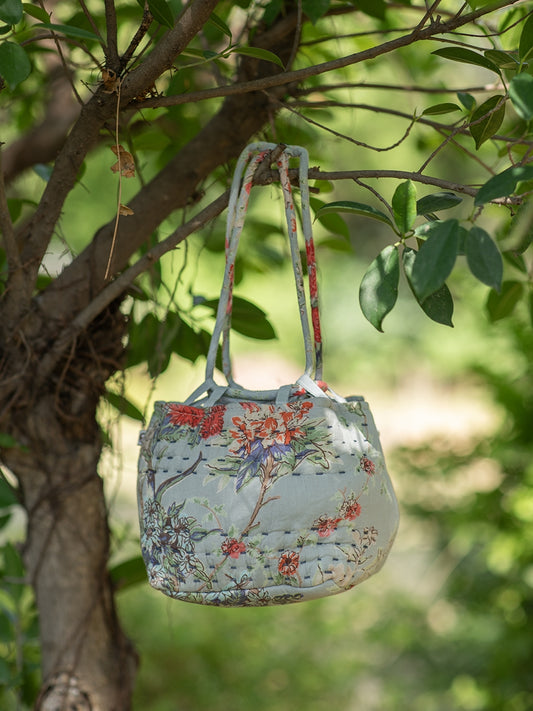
{"points": [[367, 465], [233, 547], [250, 406], [213, 421], [210, 421], [185, 415], [350, 509], [288, 563], [326, 525]]}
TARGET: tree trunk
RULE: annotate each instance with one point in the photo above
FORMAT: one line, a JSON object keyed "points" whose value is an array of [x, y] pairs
{"points": [[87, 662]]}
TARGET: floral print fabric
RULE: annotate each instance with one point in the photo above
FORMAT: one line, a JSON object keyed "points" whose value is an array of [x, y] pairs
{"points": [[253, 503]]}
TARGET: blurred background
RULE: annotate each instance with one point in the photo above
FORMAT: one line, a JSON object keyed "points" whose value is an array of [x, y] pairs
{"points": [[447, 623]]}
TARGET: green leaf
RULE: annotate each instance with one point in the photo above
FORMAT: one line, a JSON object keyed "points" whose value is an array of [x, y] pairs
{"points": [[7, 441], [191, 344], [379, 287], [123, 405], [475, 4], [435, 259], [161, 12], [466, 56], [355, 208], [467, 100], [486, 120], [330, 219], [215, 20], [373, 8], [404, 206], [525, 47], [14, 64], [521, 95], [438, 109], [439, 305], [272, 10], [67, 30], [436, 202], [315, 9], [8, 495], [247, 319], [259, 53], [484, 258], [505, 60], [503, 184], [500, 305], [35, 11], [11, 11], [516, 260], [129, 572]]}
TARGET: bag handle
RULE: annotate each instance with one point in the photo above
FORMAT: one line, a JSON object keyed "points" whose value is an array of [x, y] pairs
{"points": [[254, 155]]}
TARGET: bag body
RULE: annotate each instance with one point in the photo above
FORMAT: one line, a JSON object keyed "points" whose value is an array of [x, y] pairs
{"points": [[259, 503], [258, 498]]}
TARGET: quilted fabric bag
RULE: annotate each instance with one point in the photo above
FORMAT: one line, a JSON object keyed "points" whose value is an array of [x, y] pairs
{"points": [[264, 497]]}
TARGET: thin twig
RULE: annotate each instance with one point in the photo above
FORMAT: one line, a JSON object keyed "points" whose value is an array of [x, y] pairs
{"points": [[119, 192], [57, 43], [137, 38], [93, 24], [362, 144], [408, 88], [299, 75]]}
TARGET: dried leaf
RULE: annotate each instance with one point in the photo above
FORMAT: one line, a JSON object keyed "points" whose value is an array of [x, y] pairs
{"points": [[125, 210], [111, 81], [125, 162]]}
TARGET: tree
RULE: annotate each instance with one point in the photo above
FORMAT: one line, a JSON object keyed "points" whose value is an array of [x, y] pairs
{"points": [[180, 90]]}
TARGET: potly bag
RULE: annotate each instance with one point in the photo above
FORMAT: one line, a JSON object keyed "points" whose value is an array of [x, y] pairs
{"points": [[267, 497]]}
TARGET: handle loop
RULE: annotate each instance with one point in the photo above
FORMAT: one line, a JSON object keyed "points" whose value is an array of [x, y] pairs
{"points": [[247, 164]]}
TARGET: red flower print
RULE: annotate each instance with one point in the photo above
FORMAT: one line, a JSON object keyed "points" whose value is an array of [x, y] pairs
{"points": [[233, 547], [288, 563], [185, 415], [213, 421], [367, 465], [350, 509], [326, 526], [250, 406]]}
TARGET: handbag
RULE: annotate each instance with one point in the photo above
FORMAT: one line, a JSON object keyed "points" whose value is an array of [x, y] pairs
{"points": [[250, 498]]}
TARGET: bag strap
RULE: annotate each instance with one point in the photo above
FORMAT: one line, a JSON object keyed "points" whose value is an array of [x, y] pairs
{"points": [[247, 164]]}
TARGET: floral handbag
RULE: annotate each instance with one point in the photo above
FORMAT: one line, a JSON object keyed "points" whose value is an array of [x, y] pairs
{"points": [[253, 498]]}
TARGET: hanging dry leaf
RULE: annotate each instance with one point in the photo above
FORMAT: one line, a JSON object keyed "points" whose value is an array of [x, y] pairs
{"points": [[125, 164], [110, 81], [125, 210]]}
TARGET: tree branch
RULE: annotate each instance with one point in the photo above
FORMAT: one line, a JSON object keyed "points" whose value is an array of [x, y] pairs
{"points": [[120, 285], [171, 189], [264, 176], [112, 58], [299, 75], [39, 229]]}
